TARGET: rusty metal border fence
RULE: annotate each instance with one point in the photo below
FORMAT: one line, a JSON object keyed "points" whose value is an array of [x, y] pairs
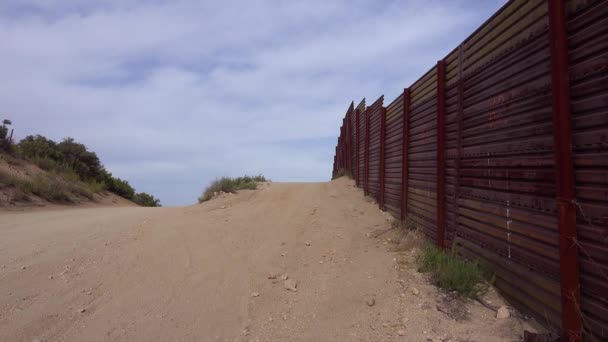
{"points": [[500, 153]]}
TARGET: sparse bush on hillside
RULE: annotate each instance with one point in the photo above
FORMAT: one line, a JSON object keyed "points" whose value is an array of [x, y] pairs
{"points": [[68, 155], [146, 200], [52, 188], [85, 163], [228, 184], [73, 161], [97, 187], [5, 139], [452, 273], [120, 187]]}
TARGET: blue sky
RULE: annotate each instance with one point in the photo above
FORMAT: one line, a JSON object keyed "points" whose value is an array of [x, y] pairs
{"points": [[172, 94]]}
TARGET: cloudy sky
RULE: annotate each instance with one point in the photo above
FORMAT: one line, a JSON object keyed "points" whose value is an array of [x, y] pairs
{"points": [[172, 94]]}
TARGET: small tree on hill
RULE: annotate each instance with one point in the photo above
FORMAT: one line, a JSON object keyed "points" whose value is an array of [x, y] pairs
{"points": [[5, 139]]}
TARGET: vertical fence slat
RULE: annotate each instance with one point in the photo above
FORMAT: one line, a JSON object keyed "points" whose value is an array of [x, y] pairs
{"points": [[562, 132], [404, 151], [357, 133], [366, 155], [441, 154], [382, 155]]}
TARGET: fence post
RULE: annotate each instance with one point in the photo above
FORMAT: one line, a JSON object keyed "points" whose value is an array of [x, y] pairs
{"points": [[357, 134], [441, 154], [343, 152], [366, 155], [404, 152], [382, 155], [566, 210], [348, 142]]}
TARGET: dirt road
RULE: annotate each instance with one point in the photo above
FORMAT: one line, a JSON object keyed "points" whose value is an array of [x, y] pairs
{"points": [[201, 273]]}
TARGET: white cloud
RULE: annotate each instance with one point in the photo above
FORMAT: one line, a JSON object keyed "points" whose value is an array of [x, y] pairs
{"points": [[190, 90]]}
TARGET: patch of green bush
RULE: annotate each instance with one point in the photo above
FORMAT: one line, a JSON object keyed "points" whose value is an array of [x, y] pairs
{"points": [[52, 188], [5, 139], [452, 273], [228, 184], [146, 200], [73, 161], [120, 187], [96, 187]]}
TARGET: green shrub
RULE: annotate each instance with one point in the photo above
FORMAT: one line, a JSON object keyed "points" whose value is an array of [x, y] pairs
{"points": [[452, 273], [80, 189], [6, 179], [50, 189], [5, 139], [120, 187], [73, 162], [227, 184], [146, 200], [96, 187]]}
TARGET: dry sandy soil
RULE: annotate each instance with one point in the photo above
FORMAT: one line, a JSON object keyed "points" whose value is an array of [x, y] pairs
{"points": [[201, 273]]}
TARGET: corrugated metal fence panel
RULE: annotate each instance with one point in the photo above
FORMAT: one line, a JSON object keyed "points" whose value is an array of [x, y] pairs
{"points": [[422, 153], [352, 137], [588, 59], [500, 185], [393, 157], [451, 142], [375, 113], [512, 24], [361, 142], [507, 180], [346, 137]]}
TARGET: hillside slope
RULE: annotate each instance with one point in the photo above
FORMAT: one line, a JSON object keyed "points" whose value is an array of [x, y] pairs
{"points": [[25, 185], [212, 272]]}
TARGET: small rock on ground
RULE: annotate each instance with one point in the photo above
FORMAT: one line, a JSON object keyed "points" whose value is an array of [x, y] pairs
{"points": [[370, 300], [503, 312], [255, 294], [291, 285], [415, 291]]}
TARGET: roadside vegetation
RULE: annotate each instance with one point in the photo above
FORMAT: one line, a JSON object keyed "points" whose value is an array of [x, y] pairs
{"points": [[52, 188], [228, 184], [71, 169], [452, 273]]}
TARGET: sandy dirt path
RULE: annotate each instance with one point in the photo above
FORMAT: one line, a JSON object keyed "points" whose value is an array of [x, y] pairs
{"points": [[200, 273]]}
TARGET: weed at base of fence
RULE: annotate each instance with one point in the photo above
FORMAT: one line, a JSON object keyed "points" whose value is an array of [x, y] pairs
{"points": [[407, 225], [452, 273]]}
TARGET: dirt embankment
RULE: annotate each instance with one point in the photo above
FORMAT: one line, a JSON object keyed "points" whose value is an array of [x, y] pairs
{"points": [[24, 186], [286, 262]]}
